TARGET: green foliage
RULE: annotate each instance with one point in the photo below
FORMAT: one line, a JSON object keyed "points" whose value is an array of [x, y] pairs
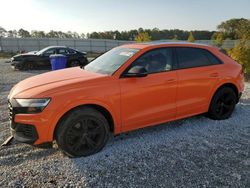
{"points": [[143, 37], [241, 53], [191, 37], [156, 34], [175, 37], [23, 33], [235, 28], [2, 31], [38, 34], [219, 39]]}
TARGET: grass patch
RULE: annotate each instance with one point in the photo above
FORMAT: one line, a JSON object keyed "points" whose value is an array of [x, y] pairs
{"points": [[4, 55]]}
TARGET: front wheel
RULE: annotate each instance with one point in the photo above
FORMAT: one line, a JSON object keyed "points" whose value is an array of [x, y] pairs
{"points": [[83, 132], [222, 104]]}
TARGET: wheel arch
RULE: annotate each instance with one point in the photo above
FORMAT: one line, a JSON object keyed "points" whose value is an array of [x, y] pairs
{"points": [[72, 60], [227, 84], [99, 108]]}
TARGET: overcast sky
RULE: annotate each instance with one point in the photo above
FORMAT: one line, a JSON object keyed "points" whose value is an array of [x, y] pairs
{"points": [[103, 15]]}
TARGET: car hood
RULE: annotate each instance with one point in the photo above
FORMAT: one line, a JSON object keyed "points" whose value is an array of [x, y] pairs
{"points": [[23, 56], [33, 86]]}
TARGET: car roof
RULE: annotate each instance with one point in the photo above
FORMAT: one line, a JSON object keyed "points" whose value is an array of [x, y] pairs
{"points": [[57, 47], [164, 44]]}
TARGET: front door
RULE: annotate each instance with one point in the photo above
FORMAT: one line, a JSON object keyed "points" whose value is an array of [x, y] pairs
{"points": [[149, 100]]}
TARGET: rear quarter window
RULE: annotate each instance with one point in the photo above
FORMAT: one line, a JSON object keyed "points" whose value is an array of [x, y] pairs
{"points": [[212, 58], [189, 57]]}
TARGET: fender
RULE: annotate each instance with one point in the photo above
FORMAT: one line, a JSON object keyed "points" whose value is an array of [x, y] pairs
{"points": [[76, 103], [222, 82]]}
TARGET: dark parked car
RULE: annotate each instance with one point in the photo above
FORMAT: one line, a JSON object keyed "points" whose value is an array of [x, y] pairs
{"points": [[39, 59]]}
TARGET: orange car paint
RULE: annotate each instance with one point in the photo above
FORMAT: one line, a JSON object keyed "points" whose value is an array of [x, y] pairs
{"points": [[132, 102]]}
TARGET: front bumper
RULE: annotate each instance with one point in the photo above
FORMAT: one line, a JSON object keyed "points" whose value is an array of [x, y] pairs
{"points": [[24, 133], [16, 64], [31, 128]]}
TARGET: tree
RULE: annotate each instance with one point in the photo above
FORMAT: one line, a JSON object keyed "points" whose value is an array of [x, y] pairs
{"points": [[2, 32], [53, 34], [10, 33], [94, 35], [75, 35], [219, 39], [82, 36], [38, 34], [191, 37], [143, 37], [23, 33], [241, 53], [235, 28], [175, 37]]}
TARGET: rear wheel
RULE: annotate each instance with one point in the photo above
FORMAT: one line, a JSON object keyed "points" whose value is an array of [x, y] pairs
{"points": [[83, 132], [222, 104]]}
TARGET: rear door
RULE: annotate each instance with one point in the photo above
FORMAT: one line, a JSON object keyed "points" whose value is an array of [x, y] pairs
{"points": [[198, 72]]}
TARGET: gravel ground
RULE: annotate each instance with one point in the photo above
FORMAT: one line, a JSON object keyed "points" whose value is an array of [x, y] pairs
{"points": [[194, 152]]}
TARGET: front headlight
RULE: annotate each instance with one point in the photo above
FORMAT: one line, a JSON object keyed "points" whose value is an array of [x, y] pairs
{"points": [[30, 105]]}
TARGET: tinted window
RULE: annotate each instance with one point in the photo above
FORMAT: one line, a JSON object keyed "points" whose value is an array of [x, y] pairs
{"points": [[192, 57], [62, 51], [71, 51], [214, 60], [156, 60], [49, 52]]}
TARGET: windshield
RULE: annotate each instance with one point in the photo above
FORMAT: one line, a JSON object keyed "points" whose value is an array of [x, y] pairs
{"points": [[42, 50], [111, 61]]}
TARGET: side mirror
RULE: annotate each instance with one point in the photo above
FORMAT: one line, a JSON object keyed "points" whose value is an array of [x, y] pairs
{"points": [[136, 71]]}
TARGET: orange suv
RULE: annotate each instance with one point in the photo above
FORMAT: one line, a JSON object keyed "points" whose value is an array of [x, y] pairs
{"points": [[128, 87]]}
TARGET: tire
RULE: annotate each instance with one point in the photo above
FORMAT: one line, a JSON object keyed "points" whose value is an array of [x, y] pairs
{"points": [[74, 63], [25, 66], [222, 104], [83, 132], [29, 66]]}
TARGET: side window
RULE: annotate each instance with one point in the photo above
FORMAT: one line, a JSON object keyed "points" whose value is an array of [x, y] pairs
{"points": [[156, 60], [62, 51], [49, 52], [213, 59], [191, 57], [71, 51]]}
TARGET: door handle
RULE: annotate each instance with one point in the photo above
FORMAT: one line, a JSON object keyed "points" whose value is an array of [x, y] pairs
{"points": [[170, 80], [215, 74]]}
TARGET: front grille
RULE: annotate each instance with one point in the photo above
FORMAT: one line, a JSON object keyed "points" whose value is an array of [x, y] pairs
{"points": [[11, 112]]}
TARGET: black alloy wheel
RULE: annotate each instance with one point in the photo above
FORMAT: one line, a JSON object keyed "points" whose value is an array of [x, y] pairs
{"points": [[223, 104], [84, 132]]}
